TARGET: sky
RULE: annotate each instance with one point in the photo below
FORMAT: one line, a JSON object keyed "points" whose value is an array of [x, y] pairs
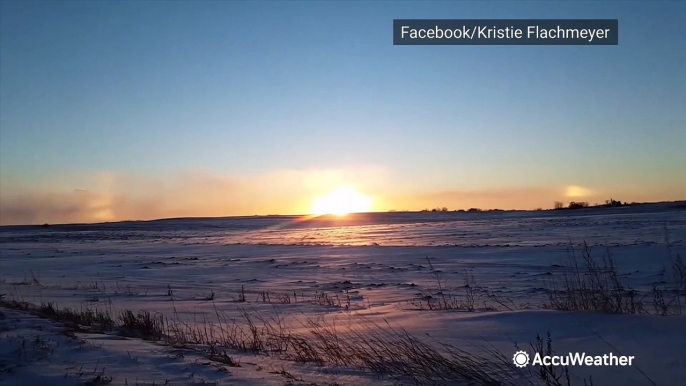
{"points": [[139, 110]]}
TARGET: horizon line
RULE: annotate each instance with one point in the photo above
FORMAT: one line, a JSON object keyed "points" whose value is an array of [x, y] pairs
{"points": [[478, 210]]}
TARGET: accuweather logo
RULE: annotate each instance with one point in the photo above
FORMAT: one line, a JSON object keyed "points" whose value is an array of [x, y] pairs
{"points": [[521, 359]]}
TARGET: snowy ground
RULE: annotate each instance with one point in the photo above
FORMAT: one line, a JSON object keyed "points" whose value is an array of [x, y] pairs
{"points": [[357, 268], [35, 351]]}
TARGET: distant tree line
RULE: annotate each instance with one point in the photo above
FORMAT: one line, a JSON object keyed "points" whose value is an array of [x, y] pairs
{"points": [[445, 209], [438, 209], [611, 203], [557, 205], [572, 205]]}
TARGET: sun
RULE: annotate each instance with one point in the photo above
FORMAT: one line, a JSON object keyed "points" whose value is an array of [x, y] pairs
{"points": [[341, 201]]}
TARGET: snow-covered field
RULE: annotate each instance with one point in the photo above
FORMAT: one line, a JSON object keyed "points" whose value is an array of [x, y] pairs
{"points": [[497, 269]]}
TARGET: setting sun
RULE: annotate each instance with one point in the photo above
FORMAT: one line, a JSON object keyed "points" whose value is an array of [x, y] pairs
{"points": [[341, 201]]}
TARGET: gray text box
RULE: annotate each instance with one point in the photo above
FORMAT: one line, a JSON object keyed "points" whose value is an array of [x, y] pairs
{"points": [[505, 32]]}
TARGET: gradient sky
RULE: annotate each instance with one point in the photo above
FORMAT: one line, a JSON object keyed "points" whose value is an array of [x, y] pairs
{"points": [[137, 110]]}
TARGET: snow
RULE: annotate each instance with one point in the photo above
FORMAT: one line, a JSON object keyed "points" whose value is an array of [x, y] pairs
{"points": [[189, 268]]}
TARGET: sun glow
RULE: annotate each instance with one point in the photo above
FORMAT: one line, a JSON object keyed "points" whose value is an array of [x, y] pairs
{"points": [[341, 201]]}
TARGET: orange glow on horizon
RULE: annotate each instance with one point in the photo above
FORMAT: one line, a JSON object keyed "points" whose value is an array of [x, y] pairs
{"points": [[341, 201]]}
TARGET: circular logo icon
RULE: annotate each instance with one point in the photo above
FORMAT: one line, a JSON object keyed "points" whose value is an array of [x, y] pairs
{"points": [[520, 359]]}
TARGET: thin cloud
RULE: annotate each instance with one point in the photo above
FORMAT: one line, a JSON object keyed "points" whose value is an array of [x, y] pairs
{"points": [[111, 196], [114, 196], [574, 191]]}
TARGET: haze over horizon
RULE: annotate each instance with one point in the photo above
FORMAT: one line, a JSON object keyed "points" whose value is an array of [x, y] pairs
{"points": [[142, 110]]}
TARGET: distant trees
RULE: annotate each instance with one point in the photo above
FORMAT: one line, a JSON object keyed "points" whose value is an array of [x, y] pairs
{"points": [[612, 203], [472, 210], [438, 209], [572, 205], [578, 205], [443, 209]]}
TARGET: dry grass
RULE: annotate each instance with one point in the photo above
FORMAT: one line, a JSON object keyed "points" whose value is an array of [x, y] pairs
{"points": [[144, 325], [468, 296], [360, 343], [383, 349], [94, 319], [586, 283], [669, 296], [590, 284], [318, 298]]}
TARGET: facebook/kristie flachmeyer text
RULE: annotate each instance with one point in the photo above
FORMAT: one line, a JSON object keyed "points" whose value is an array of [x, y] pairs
{"points": [[485, 32], [506, 32]]}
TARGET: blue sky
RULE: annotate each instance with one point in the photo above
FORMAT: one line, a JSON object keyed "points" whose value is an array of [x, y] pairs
{"points": [[155, 91]]}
